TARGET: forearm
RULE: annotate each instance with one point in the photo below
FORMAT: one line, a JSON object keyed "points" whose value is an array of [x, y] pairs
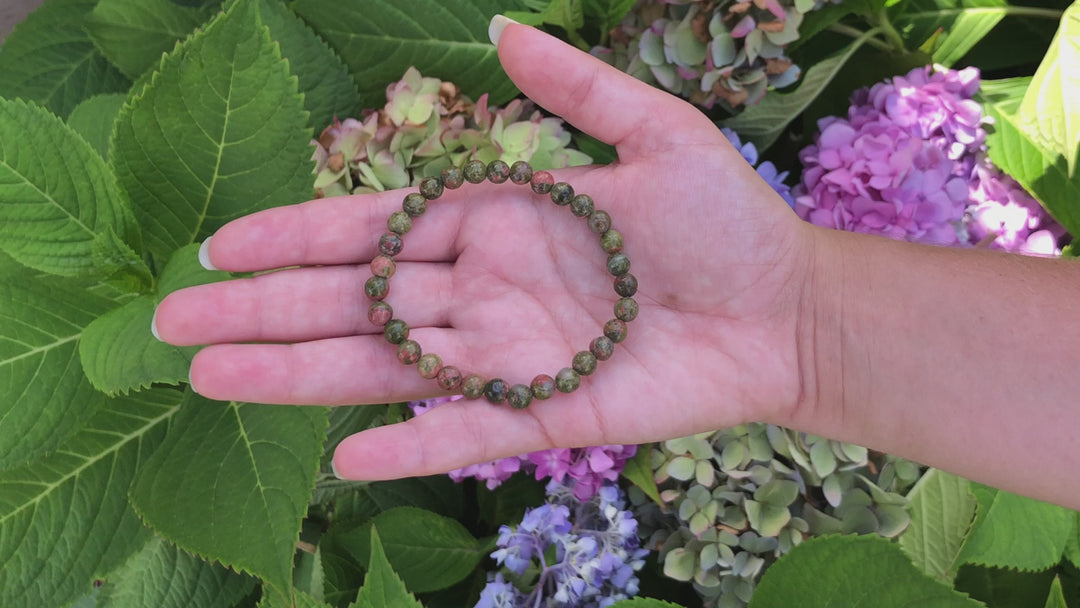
{"points": [[959, 359]]}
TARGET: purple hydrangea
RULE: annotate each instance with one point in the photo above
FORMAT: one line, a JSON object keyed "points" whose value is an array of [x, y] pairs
{"points": [[766, 170]]}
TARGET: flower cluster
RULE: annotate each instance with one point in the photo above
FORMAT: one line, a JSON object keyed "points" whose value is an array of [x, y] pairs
{"points": [[568, 553], [909, 162], [766, 170], [708, 52], [586, 469], [426, 126]]}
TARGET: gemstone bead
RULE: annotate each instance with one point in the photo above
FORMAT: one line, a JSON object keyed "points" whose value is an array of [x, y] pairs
{"points": [[611, 241], [582, 205], [541, 182], [519, 397], [567, 380], [453, 177], [383, 266], [380, 313], [602, 348], [429, 365], [376, 288], [449, 378], [618, 264], [498, 172], [599, 221], [475, 171], [399, 222], [414, 204], [495, 390], [408, 352], [626, 309], [390, 244], [431, 188], [520, 172], [584, 363], [562, 193], [396, 331], [626, 285], [473, 386], [543, 386], [615, 330]]}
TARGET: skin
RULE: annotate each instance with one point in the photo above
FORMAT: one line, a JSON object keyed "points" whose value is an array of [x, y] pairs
{"points": [[957, 359]]}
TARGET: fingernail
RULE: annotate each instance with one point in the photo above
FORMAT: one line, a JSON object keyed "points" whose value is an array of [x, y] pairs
{"points": [[496, 27], [333, 467], [191, 384], [204, 254], [153, 326]]}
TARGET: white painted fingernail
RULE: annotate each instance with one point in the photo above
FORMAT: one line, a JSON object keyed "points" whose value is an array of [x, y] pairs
{"points": [[153, 326], [333, 467], [191, 384], [204, 254], [496, 27]]}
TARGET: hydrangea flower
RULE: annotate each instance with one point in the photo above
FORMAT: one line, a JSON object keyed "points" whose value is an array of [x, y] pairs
{"points": [[909, 162], [766, 170]]}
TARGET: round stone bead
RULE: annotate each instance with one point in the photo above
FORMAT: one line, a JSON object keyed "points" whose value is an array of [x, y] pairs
{"points": [[599, 221], [543, 386], [414, 204], [567, 380], [626, 309], [615, 330], [376, 288], [399, 222], [520, 172], [602, 348], [408, 352], [498, 172], [562, 193], [519, 397], [582, 205], [584, 363], [495, 390], [391, 244], [380, 313], [475, 171], [473, 386], [626, 285], [618, 264], [453, 177], [541, 182], [431, 188], [383, 266], [396, 331], [611, 241], [449, 378], [429, 365]]}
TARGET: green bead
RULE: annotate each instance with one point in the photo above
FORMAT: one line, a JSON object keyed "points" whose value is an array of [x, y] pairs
{"points": [[473, 386], [520, 172], [431, 188], [396, 331], [626, 309], [615, 330], [475, 171], [391, 244], [543, 386], [562, 193], [453, 177], [602, 348], [626, 285], [495, 390], [584, 363], [567, 380], [581, 205], [429, 365], [449, 378], [399, 222], [380, 313], [618, 264], [376, 288], [599, 221], [498, 172], [408, 352], [611, 241], [519, 397], [414, 204]]}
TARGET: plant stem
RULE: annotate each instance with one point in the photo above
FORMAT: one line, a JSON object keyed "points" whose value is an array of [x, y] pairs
{"points": [[890, 32], [855, 32]]}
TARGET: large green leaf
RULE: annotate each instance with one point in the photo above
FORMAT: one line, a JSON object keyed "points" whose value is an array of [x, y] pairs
{"points": [[1016, 532], [358, 501], [446, 39], [942, 508], [134, 34], [298, 600], [1056, 598], [93, 119], [65, 520], [44, 396], [1004, 588], [963, 24], [49, 59], [231, 483], [853, 572], [383, 588], [163, 576], [1072, 548], [219, 132]]}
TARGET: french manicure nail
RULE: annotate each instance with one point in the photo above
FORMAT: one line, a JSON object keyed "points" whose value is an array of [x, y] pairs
{"points": [[333, 467], [204, 254], [496, 27], [153, 326], [192, 384]]}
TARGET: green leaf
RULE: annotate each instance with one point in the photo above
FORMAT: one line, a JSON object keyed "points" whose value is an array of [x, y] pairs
{"points": [[963, 23], [1043, 173], [854, 572], [49, 59], [1056, 599], [638, 471], [1072, 548], [44, 397], [1004, 588], [231, 483], [445, 39], [1016, 532], [763, 123], [65, 519], [356, 502], [383, 588], [219, 132], [118, 352], [164, 576], [942, 508], [134, 34], [644, 602], [299, 600], [56, 195], [324, 79], [566, 14], [93, 119], [1049, 113], [607, 13]]}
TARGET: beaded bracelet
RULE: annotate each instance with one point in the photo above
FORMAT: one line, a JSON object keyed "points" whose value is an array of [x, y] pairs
{"points": [[473, 386]]}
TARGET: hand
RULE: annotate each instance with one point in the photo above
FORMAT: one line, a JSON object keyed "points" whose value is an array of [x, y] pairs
{"points": [[498, 280]]}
